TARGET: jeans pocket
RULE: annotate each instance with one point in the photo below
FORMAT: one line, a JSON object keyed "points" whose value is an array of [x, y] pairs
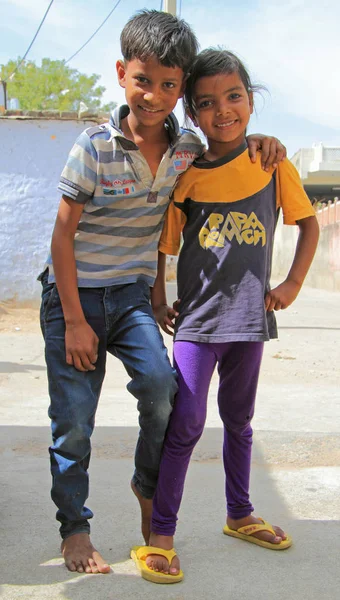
{"points": [[49, 297], [144, 286]]}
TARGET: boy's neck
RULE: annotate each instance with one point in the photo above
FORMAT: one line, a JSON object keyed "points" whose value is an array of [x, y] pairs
{"points": [[152, 142], [139, 133]]}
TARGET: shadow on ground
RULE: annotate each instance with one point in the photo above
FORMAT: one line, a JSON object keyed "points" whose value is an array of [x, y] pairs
{"points": [[15, 367], [215, 566]]}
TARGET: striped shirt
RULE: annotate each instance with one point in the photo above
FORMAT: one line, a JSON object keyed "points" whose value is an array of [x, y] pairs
{"points": [[116, 241]]}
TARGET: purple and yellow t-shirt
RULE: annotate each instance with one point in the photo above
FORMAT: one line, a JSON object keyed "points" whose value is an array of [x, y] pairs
{"points": [[227, 211]]}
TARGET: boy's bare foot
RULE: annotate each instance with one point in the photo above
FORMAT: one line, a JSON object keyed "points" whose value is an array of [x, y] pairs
{"points": [[81, 556], [159, 563], [146, 511], [261, 535]]}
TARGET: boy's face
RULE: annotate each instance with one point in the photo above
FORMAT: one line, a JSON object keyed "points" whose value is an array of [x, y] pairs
{"points": [[151, 89]]}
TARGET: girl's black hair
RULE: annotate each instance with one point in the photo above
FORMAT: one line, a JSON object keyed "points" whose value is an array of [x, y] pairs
{"points": [[215, 61], [152, 33]]}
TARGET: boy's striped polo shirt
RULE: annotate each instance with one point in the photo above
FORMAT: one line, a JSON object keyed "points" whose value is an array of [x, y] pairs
{"points": [[116, 241]]}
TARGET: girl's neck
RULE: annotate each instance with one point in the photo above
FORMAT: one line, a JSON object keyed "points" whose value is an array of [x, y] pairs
{"points": [[218, 150]]}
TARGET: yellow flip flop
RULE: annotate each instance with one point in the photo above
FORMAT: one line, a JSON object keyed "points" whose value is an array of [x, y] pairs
{"points": [[246, 533], [139, 555]]}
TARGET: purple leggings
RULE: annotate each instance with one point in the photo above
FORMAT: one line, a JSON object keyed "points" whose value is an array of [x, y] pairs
{"points": [[238, 368]]}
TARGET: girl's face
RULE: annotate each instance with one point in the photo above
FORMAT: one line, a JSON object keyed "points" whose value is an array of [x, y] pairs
{"points": [[223, 109]]}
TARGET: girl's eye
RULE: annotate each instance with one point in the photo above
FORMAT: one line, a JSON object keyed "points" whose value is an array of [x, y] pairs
{"points": [[235, 96], [169, 85], [204, 104]]}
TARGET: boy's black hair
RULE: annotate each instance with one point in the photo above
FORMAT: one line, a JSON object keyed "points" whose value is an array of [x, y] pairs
{"points": [[215, 61], [151, 33]]}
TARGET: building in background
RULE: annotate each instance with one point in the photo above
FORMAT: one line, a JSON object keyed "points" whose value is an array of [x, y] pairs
{"points": [[319, 169]]}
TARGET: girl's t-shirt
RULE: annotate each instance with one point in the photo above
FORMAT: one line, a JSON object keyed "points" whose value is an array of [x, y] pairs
{"points": [[227, 212]]}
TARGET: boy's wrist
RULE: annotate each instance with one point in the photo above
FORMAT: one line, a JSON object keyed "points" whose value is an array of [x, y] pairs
{"points": [[74, 321]]}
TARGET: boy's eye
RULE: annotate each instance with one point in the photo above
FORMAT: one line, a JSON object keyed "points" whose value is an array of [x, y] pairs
{"points": [[142, 79]]}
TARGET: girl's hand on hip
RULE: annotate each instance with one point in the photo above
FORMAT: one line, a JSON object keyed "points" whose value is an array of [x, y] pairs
{"points": [[282, 296]]}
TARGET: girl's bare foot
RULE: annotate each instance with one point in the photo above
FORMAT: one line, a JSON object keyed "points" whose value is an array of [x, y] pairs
{"points": [[81, 556], [146, 512], [261, 535], [159, 563]]}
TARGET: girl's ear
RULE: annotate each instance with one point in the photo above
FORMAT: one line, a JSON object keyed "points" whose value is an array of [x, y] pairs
{"points": [[251, 102], [191, 117], [121, 72]]}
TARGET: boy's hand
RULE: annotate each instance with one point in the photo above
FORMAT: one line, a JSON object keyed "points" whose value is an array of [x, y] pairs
{"points": [[165, 316], [81, 344], [272, 151], [282, 296]]}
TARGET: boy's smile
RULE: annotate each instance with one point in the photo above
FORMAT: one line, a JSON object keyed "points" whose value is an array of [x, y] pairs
{"points": [[223, 109], [151, 89]]}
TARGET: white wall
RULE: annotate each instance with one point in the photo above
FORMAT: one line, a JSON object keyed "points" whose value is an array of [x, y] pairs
{"points": [[325, 269], [32, 156]]}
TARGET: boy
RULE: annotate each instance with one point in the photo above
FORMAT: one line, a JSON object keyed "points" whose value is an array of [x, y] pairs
{"points": [[96, 287]]}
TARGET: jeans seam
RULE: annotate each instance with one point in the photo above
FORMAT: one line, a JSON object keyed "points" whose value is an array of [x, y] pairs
{"points": [[105, 312]]}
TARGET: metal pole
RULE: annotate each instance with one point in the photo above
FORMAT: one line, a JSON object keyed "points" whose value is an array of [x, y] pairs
{"points": [[170, 7], [3, 96]]}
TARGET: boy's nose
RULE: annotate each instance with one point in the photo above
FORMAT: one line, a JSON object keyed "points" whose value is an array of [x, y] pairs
{"points": [[151, 96]]}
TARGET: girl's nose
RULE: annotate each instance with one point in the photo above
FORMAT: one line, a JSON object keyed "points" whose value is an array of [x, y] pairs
{"points": [[222, 109]]}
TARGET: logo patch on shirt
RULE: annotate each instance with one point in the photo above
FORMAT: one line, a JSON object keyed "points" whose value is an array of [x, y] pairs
{"points": [[118, 191], [152, 197], [185, 154], [181, 164], [246, 229], [116, 183]]}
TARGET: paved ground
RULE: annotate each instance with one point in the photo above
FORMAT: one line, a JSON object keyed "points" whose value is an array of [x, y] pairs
{"points": [[295, 478]]}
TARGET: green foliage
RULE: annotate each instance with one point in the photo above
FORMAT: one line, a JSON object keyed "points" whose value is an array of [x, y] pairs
{"points": [[53, 85]]}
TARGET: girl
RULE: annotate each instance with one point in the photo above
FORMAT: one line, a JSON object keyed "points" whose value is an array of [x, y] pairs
{"points": [[227, 208]]}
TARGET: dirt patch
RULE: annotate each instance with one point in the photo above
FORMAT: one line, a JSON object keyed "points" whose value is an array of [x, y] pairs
{"points": [[19, 320]]}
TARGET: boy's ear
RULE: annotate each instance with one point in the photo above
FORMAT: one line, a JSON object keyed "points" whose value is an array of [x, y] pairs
{"points": [[121, 72], [182, 87]]}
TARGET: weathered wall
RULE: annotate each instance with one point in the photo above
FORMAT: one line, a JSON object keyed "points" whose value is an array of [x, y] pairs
{"points": [[33, 153], [325, 270]]}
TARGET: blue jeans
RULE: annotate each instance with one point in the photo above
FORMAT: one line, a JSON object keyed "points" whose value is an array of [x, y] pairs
{"points": [[122, 318]]}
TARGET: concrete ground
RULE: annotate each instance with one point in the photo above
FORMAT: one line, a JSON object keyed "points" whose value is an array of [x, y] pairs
{"points": [[295, 476]]}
